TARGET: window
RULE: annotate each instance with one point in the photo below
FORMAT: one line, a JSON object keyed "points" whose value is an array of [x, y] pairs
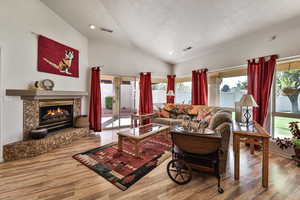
{"points": [[287, 91], [232, 89], [286, 100], [281, 126], [183, 92], [159, 91]]}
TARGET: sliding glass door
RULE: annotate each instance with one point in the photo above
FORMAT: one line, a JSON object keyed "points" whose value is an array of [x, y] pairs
{"points": [[119, 100]]}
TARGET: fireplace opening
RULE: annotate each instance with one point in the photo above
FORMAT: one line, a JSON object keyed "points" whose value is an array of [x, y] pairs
{"points": [[56, 115]]}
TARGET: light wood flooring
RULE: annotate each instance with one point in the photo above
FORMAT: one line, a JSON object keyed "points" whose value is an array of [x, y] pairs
{"points": [[57, 175]]}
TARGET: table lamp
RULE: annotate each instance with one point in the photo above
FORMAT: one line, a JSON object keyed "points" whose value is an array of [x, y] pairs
{"points": [[247, 101], [170, 93]]}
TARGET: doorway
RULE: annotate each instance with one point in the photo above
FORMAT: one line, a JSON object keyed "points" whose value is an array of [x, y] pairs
{"points": [[119, 100]]}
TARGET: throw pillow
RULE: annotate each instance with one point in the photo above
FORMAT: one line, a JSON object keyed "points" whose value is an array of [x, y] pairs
{"points": [[183, 109], [169, 107], [164, 114], [193, 110]]}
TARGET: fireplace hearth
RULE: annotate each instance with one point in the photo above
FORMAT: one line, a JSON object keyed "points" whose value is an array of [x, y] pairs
{"points": [[51, 110], [55, 115]]}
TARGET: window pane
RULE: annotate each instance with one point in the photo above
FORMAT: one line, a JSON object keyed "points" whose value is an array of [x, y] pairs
{"points": [[159, 91], [232, 89], [183, 93], [287, 91], [281, 126]]}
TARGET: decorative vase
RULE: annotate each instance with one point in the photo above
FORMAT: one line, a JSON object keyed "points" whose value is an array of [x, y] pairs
{"points": [[82, 121]]}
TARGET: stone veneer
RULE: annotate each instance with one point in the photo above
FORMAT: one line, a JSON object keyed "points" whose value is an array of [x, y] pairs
{"points": [[31, 114], [31, 148]]}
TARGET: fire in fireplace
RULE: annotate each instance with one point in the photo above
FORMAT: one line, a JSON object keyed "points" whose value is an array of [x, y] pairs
{"points": [[56, 115]]}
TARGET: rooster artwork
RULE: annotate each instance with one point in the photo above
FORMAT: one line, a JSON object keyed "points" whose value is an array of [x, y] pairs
{"points": [[65, 64], [56, 58]]}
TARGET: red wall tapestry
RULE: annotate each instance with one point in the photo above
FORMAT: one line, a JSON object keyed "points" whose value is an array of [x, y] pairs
{"points": [[56, 58]]}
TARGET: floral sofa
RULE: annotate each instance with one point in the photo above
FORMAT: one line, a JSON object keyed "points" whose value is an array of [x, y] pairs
{"points": [[217, 119]]}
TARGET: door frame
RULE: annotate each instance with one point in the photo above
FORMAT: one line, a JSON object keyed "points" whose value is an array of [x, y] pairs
{"points": [[116, 84]]}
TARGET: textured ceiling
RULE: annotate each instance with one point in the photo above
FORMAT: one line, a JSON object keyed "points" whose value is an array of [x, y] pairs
{"points": [[163, 26]]}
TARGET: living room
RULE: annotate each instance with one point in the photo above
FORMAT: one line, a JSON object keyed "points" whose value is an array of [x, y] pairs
{"points": [[95, 94]]}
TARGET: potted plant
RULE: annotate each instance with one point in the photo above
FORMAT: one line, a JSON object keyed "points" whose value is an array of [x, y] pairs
{"points": [[288, 86], [285, 143]]}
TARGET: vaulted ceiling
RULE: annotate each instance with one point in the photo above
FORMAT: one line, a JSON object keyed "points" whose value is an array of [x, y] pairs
{"points": [[164, 28]]}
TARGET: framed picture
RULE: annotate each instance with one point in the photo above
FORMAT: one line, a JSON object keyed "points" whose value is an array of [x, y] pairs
{"points": [[56, 58]]}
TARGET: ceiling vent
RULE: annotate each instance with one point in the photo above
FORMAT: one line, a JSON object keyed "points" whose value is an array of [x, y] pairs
{"points": [[106, 30], [187, 49]]}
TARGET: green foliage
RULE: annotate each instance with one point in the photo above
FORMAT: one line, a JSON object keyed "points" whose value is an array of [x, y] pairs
{"points": [[288, 79], [296, 142], [242, 85], [109, 102]]}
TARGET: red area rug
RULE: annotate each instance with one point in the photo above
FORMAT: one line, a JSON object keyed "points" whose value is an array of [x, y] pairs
{"points": [[121, 168]]}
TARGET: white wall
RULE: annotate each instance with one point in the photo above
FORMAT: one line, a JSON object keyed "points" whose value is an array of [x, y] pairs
{"points": [[119, 60], [1, 106], [18, 18], [236, 51]]}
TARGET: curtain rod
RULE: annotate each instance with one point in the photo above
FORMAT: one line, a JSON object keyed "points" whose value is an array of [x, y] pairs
{"points": [[263, 57]]}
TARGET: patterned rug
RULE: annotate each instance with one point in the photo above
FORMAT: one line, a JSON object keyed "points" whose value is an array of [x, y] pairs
{"points": [[121, 168]]}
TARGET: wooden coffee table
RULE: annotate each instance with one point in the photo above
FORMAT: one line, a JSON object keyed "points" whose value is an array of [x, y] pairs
{"points": [[139, 134]]}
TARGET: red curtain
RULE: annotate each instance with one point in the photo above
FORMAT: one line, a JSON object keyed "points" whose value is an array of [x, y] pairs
{"points": [[260, 76], [199, 87], [146, 104], [95, 100], [171, 86]]}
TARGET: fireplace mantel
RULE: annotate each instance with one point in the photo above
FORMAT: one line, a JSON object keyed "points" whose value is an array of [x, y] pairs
{"points": [[45, 94]]}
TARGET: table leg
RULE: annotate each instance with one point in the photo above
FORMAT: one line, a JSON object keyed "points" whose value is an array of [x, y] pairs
{"points": [[236, 139], [265, 164], [120, 143]]}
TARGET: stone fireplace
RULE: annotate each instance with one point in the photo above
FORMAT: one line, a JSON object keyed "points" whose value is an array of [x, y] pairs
{"points": [[52, 114], [54, 110]]}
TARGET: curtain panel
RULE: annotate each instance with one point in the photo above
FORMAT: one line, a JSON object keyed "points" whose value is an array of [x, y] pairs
{"points": [[95, 100], [146, 103], [199, 87], [260, 77], [171, 86]]}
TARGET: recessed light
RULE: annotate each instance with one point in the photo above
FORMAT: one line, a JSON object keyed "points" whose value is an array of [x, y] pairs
{"points": [[92, 26], [171, 52]]}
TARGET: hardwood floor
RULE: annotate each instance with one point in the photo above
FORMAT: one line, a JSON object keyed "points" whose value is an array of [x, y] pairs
{"points": [[57, 175]]}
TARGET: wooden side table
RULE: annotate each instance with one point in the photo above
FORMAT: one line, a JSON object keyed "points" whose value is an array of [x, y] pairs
{"points": [[137, 119], [252, 132]]}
